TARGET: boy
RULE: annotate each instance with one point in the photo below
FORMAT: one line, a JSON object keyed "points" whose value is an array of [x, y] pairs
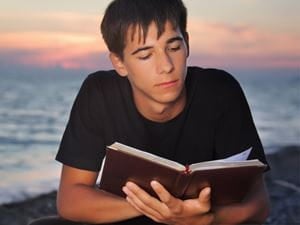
{"points": [[153, 101]]}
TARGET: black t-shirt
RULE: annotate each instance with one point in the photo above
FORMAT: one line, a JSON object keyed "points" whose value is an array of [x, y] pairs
{"points": [[215, 123]]}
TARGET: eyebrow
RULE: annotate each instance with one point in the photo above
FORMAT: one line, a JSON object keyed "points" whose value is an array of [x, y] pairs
{"points": [[169, 41], [141, 49]]}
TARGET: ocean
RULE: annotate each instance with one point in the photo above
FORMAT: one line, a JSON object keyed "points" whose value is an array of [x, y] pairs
{"points": [[34, 110]]}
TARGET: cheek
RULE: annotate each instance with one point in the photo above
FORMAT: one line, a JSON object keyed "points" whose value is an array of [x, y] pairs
{"points": [[180, 61], [141, 70], [140, 74]]}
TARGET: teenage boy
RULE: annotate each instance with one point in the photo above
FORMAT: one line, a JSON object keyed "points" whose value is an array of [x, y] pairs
{"points": [[153, 101]]}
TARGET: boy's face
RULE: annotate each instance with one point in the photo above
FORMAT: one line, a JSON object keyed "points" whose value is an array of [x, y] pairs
{"points": [[156, 69]]}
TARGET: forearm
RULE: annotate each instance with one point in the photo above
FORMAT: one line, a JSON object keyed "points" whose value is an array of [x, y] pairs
{"points": [[86, 204], [239, 215], [254, 209]]}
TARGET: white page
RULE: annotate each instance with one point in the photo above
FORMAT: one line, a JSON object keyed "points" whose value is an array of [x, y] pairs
{"points": [[239, 157], [101, 170], [146, 155]]}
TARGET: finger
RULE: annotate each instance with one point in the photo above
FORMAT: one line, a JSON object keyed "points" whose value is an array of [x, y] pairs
{"points": [[152, 214], [146, 203], [162, 193], [139, 207], [204, 199], [204, 195], [171, 202], [141, 194]]}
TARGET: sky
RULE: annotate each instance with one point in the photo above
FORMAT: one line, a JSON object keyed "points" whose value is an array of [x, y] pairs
{"points": [[245, 34]]}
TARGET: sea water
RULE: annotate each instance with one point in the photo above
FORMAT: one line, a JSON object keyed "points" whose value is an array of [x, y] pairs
{"points": [[34, 110]]}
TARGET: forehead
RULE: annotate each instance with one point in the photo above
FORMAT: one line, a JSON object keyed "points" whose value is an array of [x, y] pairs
{"points": [[138, 34]]}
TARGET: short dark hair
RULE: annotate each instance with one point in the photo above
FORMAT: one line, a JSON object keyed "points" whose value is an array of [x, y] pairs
{"points": [[120, 15]]}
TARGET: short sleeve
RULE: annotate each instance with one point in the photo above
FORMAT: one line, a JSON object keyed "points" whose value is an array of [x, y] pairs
{"points": [[82, 145], [236, 130]]}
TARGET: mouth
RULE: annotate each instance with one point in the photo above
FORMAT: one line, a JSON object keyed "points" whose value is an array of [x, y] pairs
{"points": [[167, 84]]}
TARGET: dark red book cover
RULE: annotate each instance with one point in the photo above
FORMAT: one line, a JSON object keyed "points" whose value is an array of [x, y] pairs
{"points": [[228, 185]]}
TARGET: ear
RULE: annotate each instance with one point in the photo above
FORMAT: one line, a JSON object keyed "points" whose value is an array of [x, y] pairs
{"points": [[118, 64], [186, 39]]}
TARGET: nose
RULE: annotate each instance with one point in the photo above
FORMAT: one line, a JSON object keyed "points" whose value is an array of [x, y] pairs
{"points": [[164, 63]]}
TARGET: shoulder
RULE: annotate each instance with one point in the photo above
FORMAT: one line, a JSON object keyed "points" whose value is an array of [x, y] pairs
{"points": [[104, 83], [214, 81], [212, 76], [103, 78], [214, 87], [100, 87]]}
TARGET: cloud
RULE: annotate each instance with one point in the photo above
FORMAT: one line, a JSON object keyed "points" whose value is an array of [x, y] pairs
{"points": [[52, 39], [48, 49], [243, 46], [67, 44]]}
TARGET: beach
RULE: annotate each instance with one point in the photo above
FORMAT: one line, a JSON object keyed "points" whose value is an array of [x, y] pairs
{"points": [[49, 48], [32, 125], [283, 183]]}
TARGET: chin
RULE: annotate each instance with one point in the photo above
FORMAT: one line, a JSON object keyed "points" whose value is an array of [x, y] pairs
{"points": [[170, 98]]}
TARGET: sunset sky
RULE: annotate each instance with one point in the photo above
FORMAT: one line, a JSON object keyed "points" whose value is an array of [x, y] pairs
{"points": [[259, 34]]}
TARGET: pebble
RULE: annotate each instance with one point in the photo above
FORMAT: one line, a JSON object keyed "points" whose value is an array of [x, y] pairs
{"points": [[283, 183]]}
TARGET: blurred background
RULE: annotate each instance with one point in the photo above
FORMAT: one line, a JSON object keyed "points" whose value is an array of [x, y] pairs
{"points": [[47, 48]]}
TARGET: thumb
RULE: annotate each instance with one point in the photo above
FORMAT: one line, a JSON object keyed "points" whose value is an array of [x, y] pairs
{"points": [[204, 199]]}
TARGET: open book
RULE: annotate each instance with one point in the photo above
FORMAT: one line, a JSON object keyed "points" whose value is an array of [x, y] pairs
{"points": [[229, 179]]}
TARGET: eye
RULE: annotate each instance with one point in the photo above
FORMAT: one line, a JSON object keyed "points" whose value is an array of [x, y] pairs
{"points": [[144, 57], [174, 48]]}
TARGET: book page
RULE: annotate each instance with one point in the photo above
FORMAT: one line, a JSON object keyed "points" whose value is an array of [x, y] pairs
{"points": [[146, 155], [239, 157], [219, 164], [101, 170], [236, 160]]}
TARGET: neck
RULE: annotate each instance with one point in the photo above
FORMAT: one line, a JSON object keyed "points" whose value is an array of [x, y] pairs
{"points": [[162, 112]]}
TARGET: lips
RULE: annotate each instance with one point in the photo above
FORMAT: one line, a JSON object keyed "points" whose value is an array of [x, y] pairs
{"points": [[167, 84]]}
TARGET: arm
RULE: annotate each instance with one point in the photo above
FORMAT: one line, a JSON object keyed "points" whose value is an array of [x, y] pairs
{"points": [[254, 209], [80, 200], [174, 211]]}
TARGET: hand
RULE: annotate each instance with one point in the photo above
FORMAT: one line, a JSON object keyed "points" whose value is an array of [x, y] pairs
{"points": [[168, 209]]}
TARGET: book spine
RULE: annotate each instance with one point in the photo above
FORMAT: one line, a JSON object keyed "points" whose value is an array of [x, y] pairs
{"points": [[187, 169], [181, 183]]}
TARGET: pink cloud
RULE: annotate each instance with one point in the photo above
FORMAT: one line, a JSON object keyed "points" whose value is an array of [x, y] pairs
{"points": [[48, 49], [66, 60], [242, 46], [212, 44]]}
